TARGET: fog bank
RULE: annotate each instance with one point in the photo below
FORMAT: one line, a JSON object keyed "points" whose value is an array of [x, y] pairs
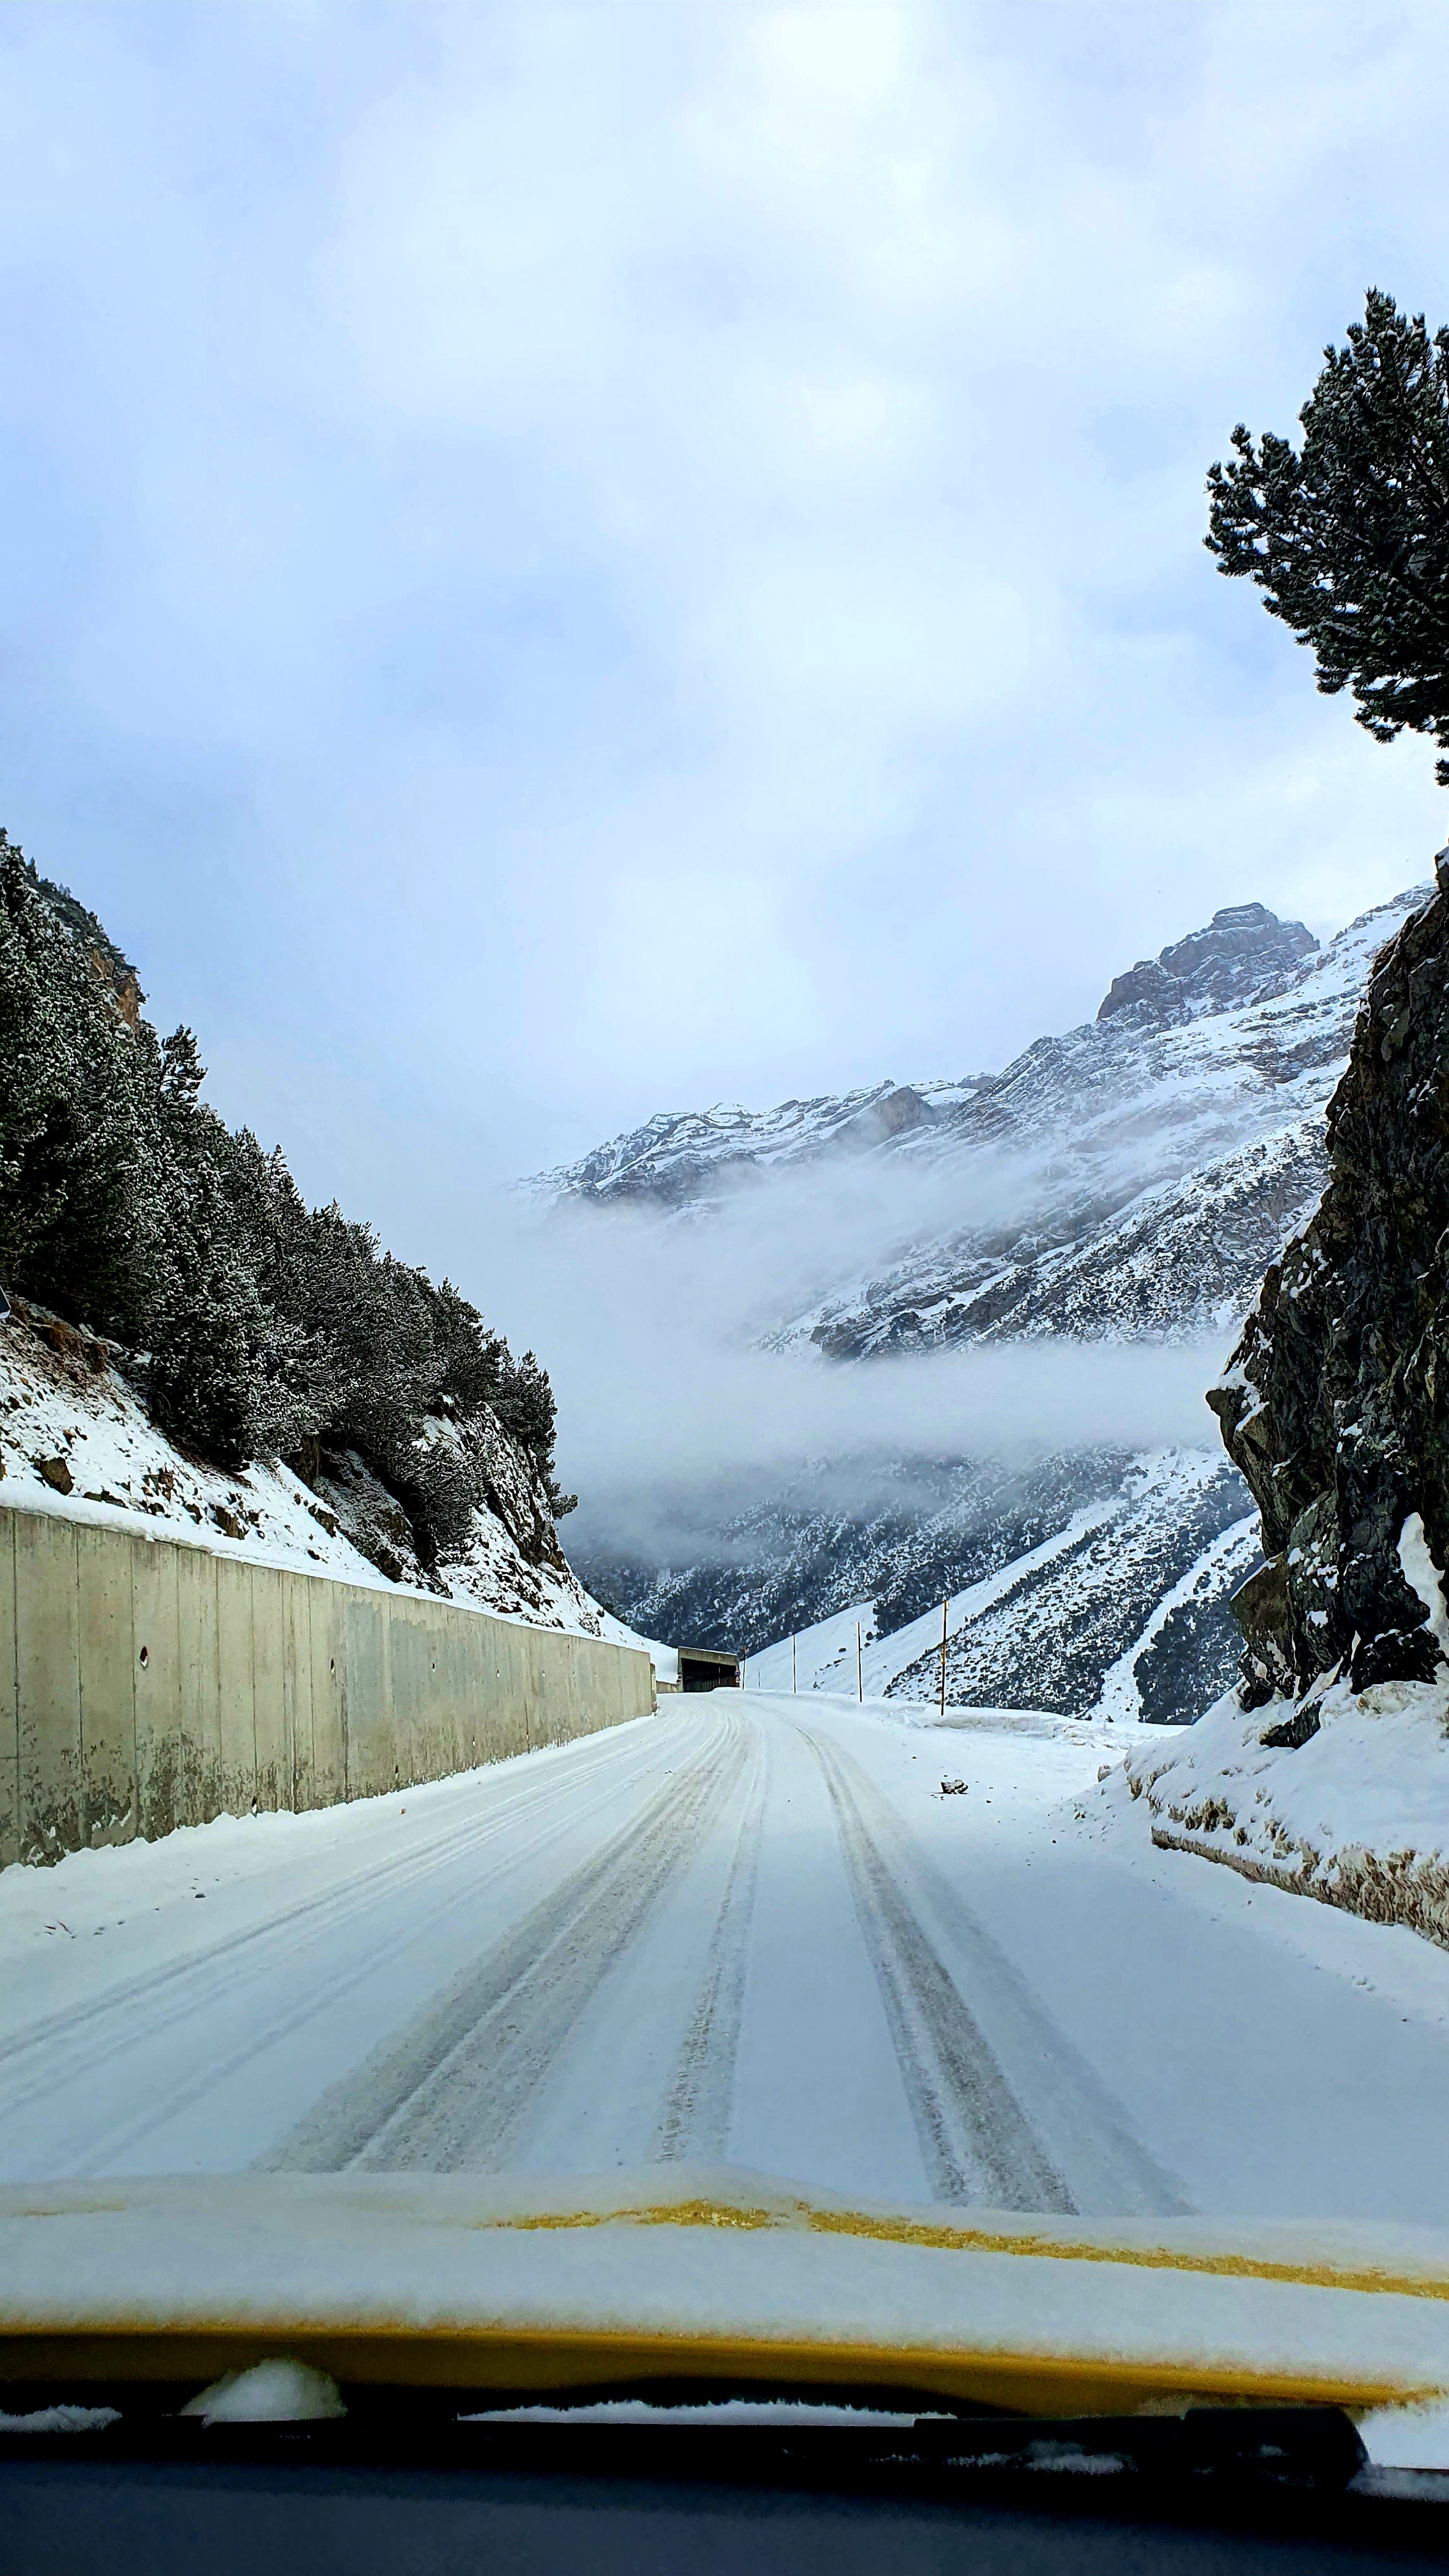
{"points": [[673, 1417]]}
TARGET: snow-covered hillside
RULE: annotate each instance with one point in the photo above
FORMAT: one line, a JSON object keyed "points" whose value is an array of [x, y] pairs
{"points": [[1047, 1621], [75, 1439], [1128, 1181]]}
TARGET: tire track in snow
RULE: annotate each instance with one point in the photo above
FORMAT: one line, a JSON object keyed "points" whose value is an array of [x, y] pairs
{"points": [[697, 2114], [974, 2138], [81, 2042], [1067, 2148], [322, 1996], [455, 2093]]}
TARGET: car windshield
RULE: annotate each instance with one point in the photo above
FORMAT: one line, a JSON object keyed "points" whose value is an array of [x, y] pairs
{"points": [[800, 1744]]}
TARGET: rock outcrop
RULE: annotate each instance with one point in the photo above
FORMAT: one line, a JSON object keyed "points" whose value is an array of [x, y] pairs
{"points": [[1336, 1402], [1245, 954], [896, 1112], [107, 963]]}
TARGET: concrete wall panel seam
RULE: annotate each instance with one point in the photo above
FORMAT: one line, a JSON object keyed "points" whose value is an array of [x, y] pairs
{"points": [[147, 1683]]}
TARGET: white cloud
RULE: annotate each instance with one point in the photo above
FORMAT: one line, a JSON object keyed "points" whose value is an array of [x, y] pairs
{"points": [[588, 559]]}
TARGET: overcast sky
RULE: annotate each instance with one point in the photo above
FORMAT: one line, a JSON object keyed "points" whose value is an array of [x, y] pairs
{"points": [[566, 561]]}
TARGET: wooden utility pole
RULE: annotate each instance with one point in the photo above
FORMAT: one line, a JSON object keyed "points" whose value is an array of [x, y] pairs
{"points": [[859, 1668], [944, 1607], [794, 1685]]}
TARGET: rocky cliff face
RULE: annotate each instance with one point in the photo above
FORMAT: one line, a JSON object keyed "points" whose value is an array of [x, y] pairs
{"points": [[1336, 1403], [1245, 954]]}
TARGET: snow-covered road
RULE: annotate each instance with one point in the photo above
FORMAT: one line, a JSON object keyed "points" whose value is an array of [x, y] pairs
{"points": [[748, 1929]]}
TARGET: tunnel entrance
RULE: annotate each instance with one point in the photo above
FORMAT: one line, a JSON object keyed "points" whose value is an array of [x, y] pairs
{"points": [[703, 1668]]}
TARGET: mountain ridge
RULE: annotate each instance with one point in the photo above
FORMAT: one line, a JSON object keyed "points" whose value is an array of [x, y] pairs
{"points": [[1139, 1173], [673, 1150]]}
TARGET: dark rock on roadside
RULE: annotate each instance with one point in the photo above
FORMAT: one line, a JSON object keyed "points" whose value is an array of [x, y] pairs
{"points": [[1336, 1402]]}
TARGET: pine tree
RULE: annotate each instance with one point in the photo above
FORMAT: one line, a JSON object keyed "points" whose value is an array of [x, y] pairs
{"points": [[1348, 539], [126, 1203], [80, 1221], [525, 1406], [218, 1377]]}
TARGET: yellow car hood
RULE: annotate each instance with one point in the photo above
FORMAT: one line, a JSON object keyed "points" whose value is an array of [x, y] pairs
{"points": [[468, 2282]]}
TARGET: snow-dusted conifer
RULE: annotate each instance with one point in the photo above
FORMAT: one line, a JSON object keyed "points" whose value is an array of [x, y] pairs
{"points": [[1348, 537]]}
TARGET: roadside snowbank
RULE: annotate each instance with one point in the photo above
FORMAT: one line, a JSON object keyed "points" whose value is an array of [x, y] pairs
{"points": [[1344, 1797]]}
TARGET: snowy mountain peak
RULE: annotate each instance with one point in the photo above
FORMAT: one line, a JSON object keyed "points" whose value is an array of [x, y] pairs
{"points": [[1231, 1039], [1246, 954], [1243, 959]]}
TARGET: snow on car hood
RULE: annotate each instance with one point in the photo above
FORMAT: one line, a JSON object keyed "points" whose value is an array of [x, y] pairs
{"points": [[462, 2281]]}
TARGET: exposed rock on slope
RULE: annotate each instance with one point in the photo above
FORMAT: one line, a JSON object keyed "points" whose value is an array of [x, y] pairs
{"points": [[1245, 953], [1327, 1770], [75, 1437], [1336, 1404]]}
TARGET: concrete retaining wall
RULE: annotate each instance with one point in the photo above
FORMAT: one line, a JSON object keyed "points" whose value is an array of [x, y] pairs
{"points": [[146, 1684]]}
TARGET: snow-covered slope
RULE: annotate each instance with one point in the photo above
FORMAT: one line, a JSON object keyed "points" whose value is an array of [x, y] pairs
{"points": [[1060, 1624], [1129, 1180], [1064, 1627], [1164, 1166], [75, 1439], [683, 1158]]}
